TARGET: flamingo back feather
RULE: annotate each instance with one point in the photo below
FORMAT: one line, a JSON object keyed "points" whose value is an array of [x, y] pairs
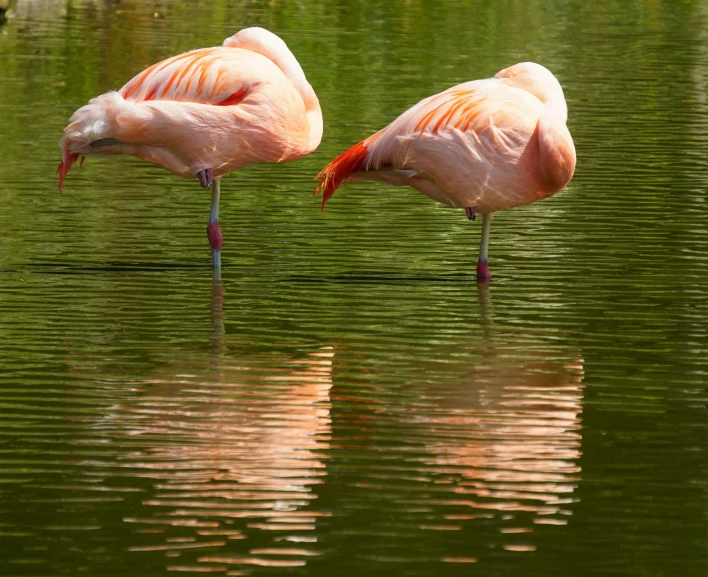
{"points": [[207, 76]]}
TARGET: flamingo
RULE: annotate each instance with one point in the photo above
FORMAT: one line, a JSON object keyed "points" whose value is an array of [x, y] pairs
{"points": [[484, 145], [204, 114]]}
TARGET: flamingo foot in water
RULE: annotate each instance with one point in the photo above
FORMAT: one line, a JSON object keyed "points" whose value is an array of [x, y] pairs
{"points": [[471, 212], [206, 177], [483, 274]]}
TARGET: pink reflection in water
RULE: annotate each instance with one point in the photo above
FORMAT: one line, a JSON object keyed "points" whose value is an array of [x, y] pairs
{"points": [[503, 436], [229, 441]]}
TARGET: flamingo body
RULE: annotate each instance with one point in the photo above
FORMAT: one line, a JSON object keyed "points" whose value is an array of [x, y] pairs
{"points": [[485, 145], [204, 113]]}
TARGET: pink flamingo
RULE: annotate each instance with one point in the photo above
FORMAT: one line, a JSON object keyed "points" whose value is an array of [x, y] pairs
{"points": [[485, 145], [204, 114]]}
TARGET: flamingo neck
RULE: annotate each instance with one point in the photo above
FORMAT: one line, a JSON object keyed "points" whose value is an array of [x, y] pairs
{"points": [[272, 47], [556, 106]]}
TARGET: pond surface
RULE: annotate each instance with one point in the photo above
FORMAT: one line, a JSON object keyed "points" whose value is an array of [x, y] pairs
{"points": [[347, 400]]}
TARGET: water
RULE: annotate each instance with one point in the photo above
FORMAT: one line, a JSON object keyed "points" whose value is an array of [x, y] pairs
{"points": [[348, 400]]}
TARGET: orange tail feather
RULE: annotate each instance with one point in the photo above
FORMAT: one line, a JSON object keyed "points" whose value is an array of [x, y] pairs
{"points": [[339, 170]]}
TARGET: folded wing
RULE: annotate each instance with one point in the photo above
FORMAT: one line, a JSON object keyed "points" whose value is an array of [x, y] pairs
{"points": [[219, 108], [454, 136], [209, 76]]}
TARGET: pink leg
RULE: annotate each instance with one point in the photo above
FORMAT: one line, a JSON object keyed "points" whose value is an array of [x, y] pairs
{"points": [[471, 212], [216, 239], [483, 273]]}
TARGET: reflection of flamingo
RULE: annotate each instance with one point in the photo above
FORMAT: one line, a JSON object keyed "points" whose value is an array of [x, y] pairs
{"points": [[229, 438], [504, 439], [204, 114], [514, 429], [244, 441], [235, 446], [487, 427], [484, 146], [264, 426]]}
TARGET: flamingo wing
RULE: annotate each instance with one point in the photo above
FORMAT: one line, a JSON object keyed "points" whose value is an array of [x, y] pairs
{"points": [[220, 108], [456, 135], [215, 76]]}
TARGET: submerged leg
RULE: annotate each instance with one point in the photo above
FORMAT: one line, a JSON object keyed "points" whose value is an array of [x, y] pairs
{"points": [[482, 264], [216, 239]]}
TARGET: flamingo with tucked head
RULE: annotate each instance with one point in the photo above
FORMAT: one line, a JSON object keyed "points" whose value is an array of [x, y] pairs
{"points": [[204, 114], [485, 145]]}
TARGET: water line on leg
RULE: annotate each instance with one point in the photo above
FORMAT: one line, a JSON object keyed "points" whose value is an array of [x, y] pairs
{"points": [[483, 264], [213, 232]]}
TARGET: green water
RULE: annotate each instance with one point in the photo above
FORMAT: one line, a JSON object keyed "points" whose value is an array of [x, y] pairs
{"points": [[348, 401]]}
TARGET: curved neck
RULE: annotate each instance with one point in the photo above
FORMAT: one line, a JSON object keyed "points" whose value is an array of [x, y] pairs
{"points": [[539, 81], [272, 47], [556, 105]]}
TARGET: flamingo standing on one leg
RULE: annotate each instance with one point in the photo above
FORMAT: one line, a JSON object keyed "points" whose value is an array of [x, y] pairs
{"points": [[204, 114], [485, 145]]}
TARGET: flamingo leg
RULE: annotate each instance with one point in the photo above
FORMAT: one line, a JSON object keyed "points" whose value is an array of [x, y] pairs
{"points": [[471, 212], [216, 239], [483, 264]]}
